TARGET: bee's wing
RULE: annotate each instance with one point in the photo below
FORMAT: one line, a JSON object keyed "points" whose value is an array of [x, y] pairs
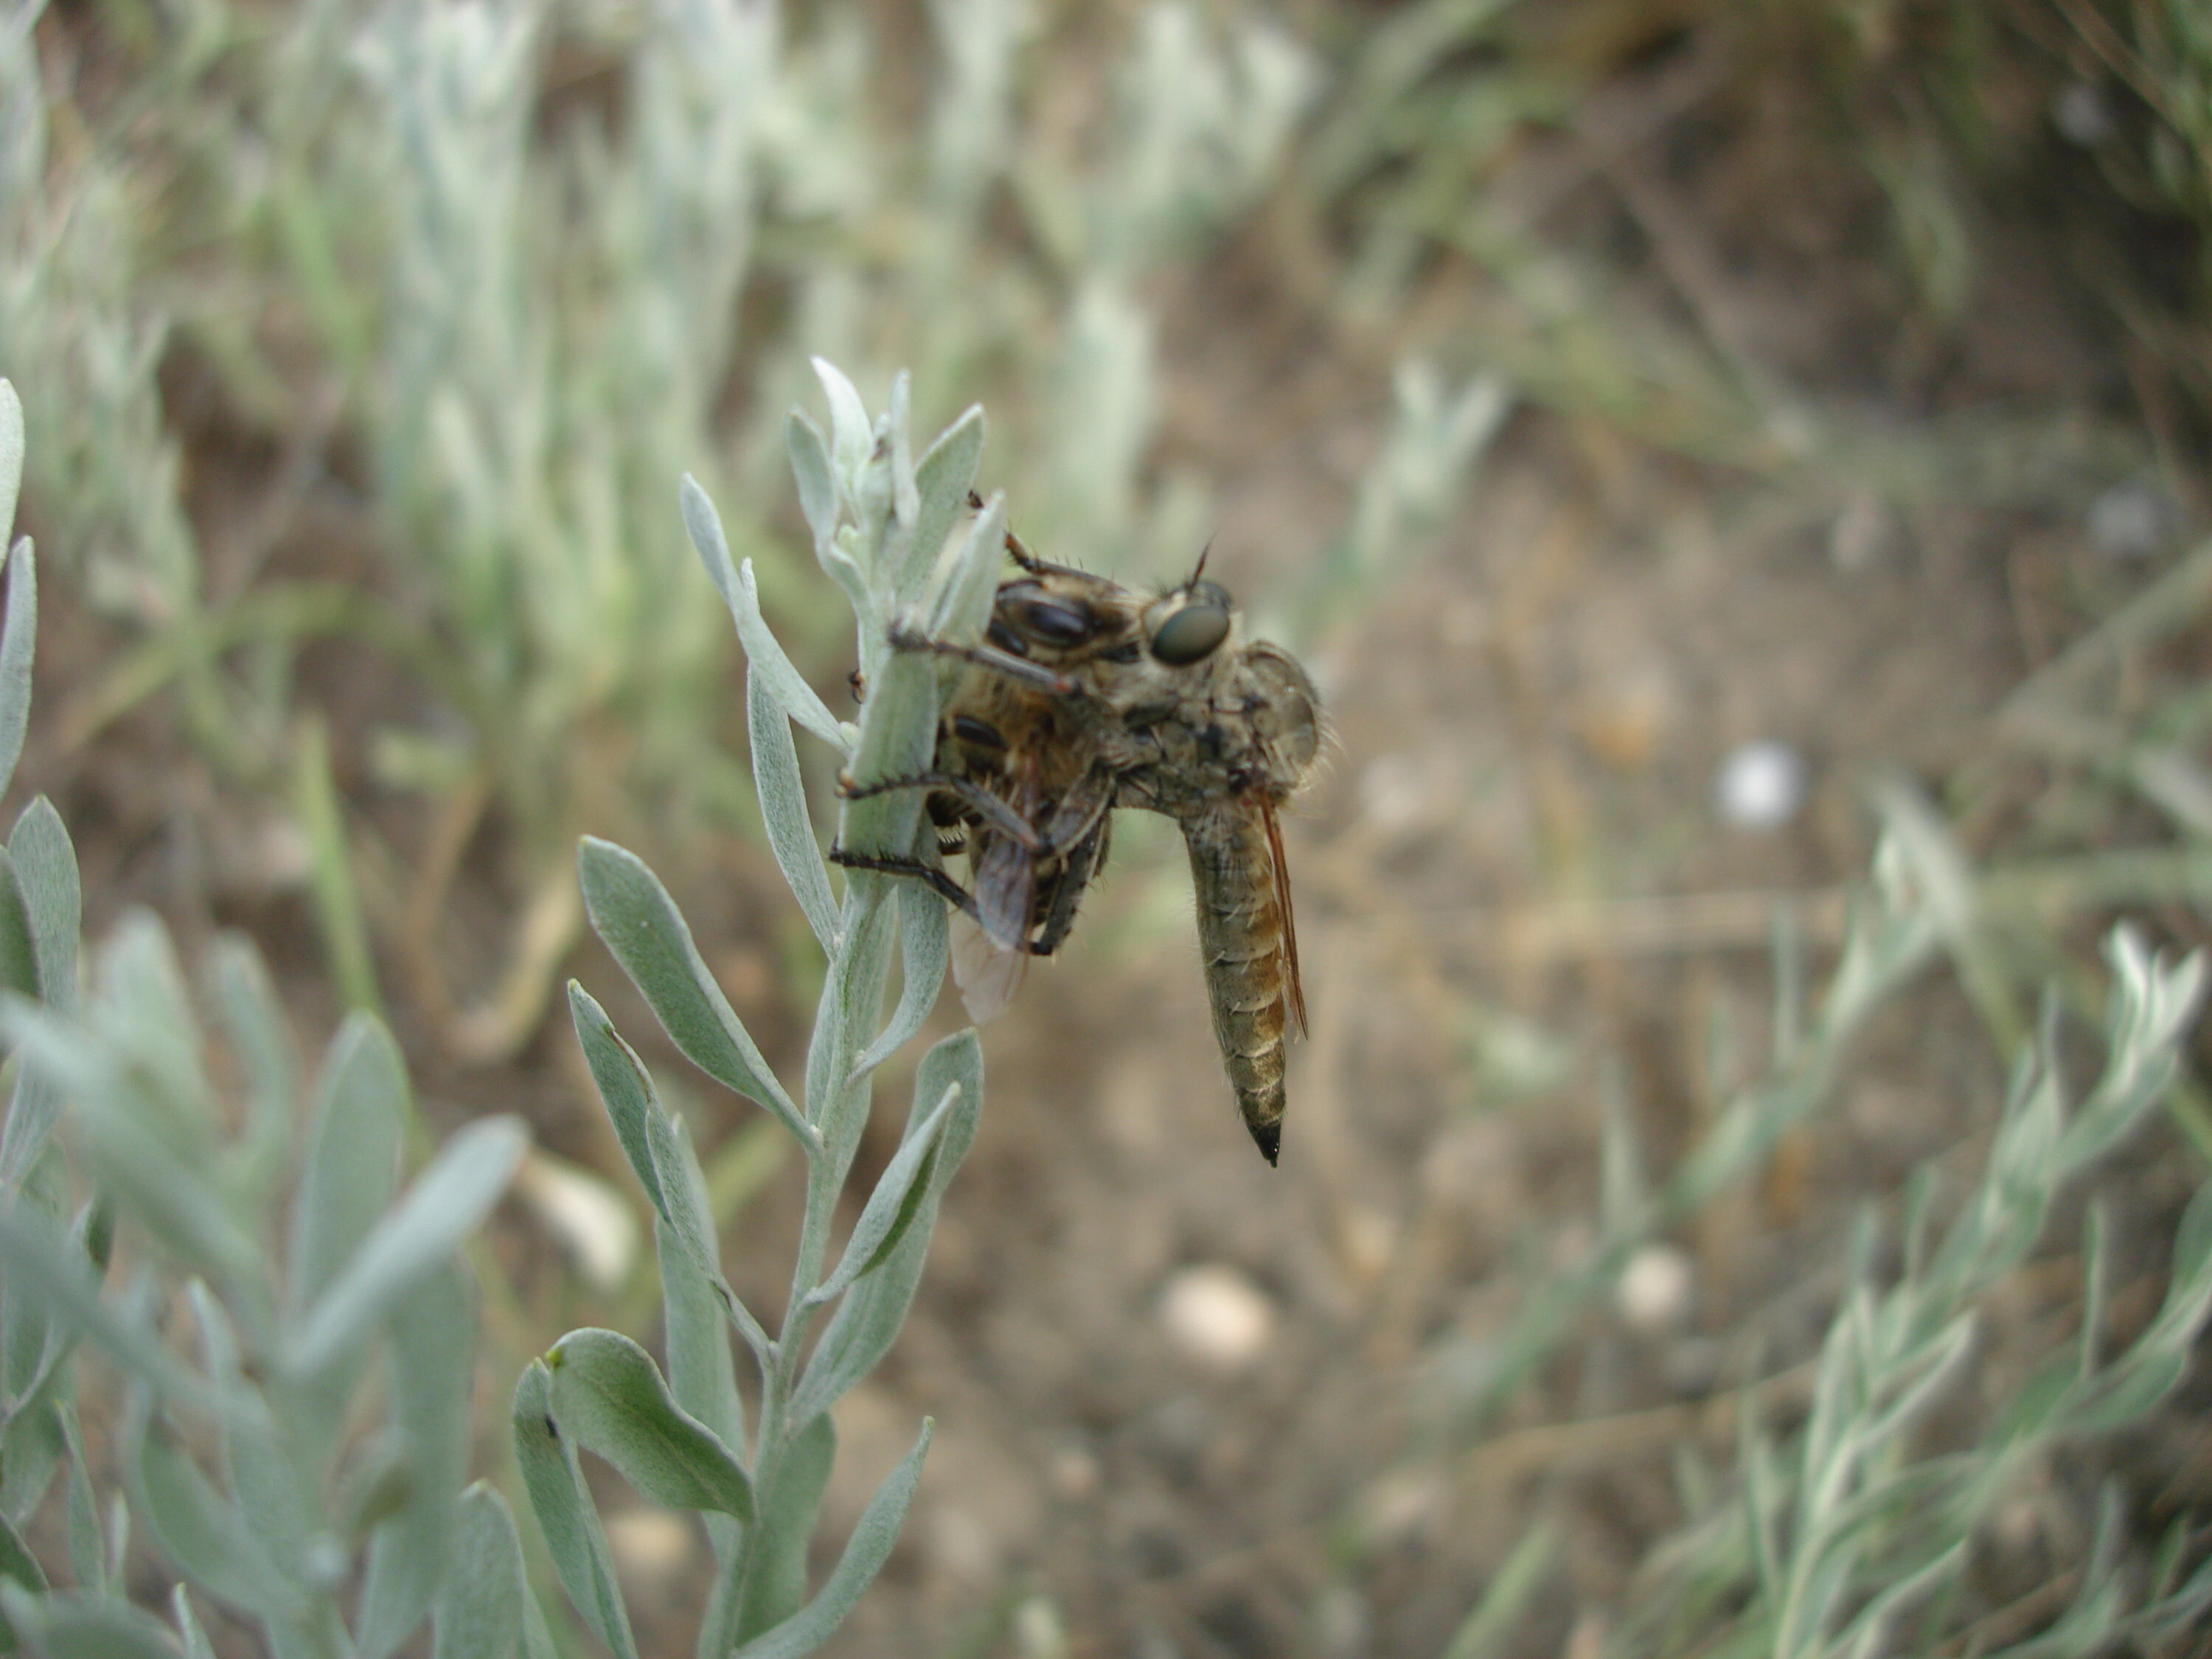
{"points": [[1294, 991], [1005, 884], [986, 973]]}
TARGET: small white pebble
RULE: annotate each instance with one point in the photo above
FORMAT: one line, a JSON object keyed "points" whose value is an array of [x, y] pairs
{"points": [[2081, 114], [1654, 1293], [1760, 785], [2133, 519], [1216, 1316], [586, 1213]]}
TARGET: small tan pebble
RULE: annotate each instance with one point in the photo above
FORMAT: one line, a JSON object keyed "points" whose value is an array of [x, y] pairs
{"points": [[1401, 1505], [1366, 1238], [1216, 1316], [1073, 1473], [1654, 1290], [651, 1544], [960, 1544]]}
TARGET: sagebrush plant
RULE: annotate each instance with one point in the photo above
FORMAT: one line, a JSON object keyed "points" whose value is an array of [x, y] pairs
{"points": [[883, 528], [269, 1243], [1847, 1535]]}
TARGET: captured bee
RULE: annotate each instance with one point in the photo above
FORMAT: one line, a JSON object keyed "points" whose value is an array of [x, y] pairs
{"points": [[1087, 696]]}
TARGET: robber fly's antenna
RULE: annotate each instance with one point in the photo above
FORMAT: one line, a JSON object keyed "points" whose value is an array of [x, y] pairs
{"points": [[1201, 570]]}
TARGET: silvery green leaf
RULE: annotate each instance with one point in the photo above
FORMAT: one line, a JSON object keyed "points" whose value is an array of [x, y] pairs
{"points": [[268, 1492], [32, 1445], [866, 1551], [11, 455], [374, 1485], [899, 739], [810, 466], [77, 1624], [869, 1317], [445, 1205], [776, 1586], [197, 1645], [783, 808], [739, 591], [851, 436], [844, 560], [40, 1264], [850, 1003], [563, 1504], [46, 874], [942, 481], [434, 1359], [696, 1324], [659, 1151], [261, 1040], [33, 1111], [625, 1088], [610, 1396], [144, 1012], [17, 1565], [891, 1208], [352, 1166], [633, 913], [482, 1611], [204, 1534], [966, 578], [18, 633], [924, 947], [19, 958], [906, 496], [147, 1153], [80, 1518]]}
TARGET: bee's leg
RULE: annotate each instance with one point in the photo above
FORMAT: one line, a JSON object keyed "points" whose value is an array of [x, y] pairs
{"points": [[1081, 816], [892, 864], [1002, 817], [1077, 866]]}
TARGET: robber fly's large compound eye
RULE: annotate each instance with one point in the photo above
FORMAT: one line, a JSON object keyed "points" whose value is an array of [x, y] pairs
{"points": [[1189, 625]]}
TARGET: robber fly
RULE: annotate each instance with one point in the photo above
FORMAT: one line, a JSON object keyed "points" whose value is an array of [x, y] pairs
{"points": [[1086, 695]]}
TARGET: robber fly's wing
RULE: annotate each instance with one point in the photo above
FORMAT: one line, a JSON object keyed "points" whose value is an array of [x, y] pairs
{"points": [[988, 974], [1294, 990]]}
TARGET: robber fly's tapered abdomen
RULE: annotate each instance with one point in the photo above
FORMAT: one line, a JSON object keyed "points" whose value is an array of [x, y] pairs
{"points": [[1241, 928]]}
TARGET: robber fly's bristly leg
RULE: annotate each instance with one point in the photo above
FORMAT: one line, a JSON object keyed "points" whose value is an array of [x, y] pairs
{"points": [[1003, 817], [1019, 669]]}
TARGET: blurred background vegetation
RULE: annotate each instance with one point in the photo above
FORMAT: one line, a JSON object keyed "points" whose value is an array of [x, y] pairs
{"points": [[1587, 387]]}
